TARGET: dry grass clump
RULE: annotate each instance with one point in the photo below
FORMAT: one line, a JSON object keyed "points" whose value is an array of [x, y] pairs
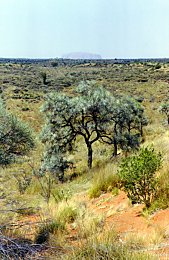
{"points": [[157, 236], [144, 240], [104, 180], [88, 224], [107, 247], [161, 200], [68, 214], [65, 211], [43, 233], [135, 241]]}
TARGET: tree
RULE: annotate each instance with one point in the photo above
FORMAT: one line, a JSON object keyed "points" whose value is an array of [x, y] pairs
{"points": [[54, 162], [16, 138], [164, 109], [133, 115], [129, 142], [138, 175], [84, 115], [126, 117], [95, 115]]}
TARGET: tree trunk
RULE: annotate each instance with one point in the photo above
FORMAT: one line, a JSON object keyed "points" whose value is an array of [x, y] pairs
{"points": [[90, 155], [115, 142], [115, 147]]}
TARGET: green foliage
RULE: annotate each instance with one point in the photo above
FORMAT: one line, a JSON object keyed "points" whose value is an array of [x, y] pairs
{"points": [[54, 162], [69, 117], [16, 138], [138, 175], [96, 191], [95, 115], [126, 117]]}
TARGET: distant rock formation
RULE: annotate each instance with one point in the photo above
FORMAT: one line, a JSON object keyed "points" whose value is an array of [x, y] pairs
{"points": [[82, 55]]}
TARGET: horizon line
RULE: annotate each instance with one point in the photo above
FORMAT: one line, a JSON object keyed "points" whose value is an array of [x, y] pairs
{"points": [[60, 58]]}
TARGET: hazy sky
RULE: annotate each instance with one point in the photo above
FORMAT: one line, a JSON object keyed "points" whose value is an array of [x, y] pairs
{"points": [[111, 28]]}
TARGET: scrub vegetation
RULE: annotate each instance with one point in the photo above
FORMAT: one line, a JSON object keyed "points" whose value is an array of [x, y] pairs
{"points": [[81, 143]]}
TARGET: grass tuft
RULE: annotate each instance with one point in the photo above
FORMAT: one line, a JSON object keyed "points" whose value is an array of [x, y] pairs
{"points": [[104, 180]]}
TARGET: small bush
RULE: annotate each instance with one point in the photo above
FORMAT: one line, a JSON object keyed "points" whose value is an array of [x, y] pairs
{"points": [[54, 64], [138, 175], [157, 67]]}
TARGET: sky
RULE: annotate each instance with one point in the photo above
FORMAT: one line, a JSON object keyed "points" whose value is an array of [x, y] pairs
{"points": [[111, 28]]}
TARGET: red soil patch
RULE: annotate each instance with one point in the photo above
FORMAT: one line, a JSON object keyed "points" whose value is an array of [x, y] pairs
{"points": [[161, 217], [119, 213], [126, 218], [123, 217]]}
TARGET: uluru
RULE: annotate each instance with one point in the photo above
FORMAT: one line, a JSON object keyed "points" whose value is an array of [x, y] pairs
{"points": [[82, 55]]}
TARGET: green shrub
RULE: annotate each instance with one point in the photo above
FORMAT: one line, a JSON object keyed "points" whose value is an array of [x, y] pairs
{"points": [[16, 138], [138, 175]]}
